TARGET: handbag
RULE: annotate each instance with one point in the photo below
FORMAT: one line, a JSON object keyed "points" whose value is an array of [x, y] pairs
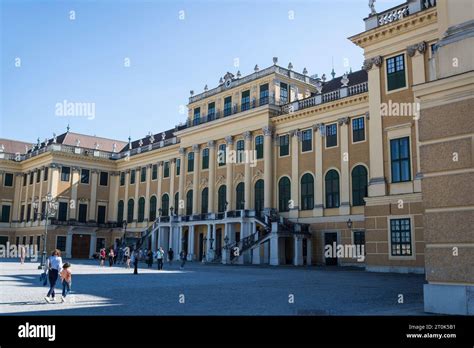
{"points": [[44, 278]]}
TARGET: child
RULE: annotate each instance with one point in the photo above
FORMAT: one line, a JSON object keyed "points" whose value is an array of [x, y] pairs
{"points": [[66, 279]]}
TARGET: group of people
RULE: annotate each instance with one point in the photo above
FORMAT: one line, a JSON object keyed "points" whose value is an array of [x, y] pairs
{"points": [[55, 269], [114, 256]]}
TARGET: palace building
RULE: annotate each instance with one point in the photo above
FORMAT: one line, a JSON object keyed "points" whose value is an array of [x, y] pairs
{"points": [[279, 167]]}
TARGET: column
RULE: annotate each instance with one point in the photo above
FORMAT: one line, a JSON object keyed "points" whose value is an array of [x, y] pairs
{"points": [[376, 174], [345, 207], [25, 213], [191, 243], [212, 174], [17, 197], [135, 200], [197, 167], [274, 250], [158, 186], [416, 52], [267, 175], [225, 251], [298, 252], [40, 193], [93, 201], [247, 171], [318, 171], [74, 185], [172, 175], [295, 181], [113, 196], [53, 180], [125, 202], [182, 175], [229, 177], [147, 192], [180, 239], [33, 188]]}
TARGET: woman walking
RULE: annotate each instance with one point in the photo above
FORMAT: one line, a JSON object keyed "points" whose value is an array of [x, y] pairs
{"points": [[102, 257], [54, 264], [111, 257]]}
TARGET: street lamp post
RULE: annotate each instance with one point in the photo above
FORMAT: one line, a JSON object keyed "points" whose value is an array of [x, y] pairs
{"points": [[50, 208]]}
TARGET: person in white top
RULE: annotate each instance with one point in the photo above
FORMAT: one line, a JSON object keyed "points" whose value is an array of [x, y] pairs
{"points": [[54, 265]]}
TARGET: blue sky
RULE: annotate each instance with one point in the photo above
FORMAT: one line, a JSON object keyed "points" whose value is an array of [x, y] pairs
{"points": [[82, 60]]}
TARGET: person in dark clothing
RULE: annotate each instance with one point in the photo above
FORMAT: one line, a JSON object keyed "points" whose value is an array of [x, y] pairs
{"points": [[170, 256], [149, 258], [111, 257], [183, 256], [135, 262]]}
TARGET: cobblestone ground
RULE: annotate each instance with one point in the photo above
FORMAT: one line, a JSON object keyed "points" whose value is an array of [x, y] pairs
{"points": [[212, 290]]}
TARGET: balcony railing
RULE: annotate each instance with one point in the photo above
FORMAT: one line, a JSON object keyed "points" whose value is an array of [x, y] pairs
{"points": [[324, 98], [84, 224], [235, 109]]}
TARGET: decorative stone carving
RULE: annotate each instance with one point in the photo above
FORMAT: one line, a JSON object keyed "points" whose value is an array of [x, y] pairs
{"points": [[290, 66], [140, 143], [229, 140], [78, 142], [275, 60], [305, 72], [267, 131], [367, 115], [182, 151], [370, 62], [343, 121], [293, 133], [319, 86], [256, 69], [372, 8], [344, 80], [195, 147], [377, 61], [211, 143], [420, 47], [247, 135]]}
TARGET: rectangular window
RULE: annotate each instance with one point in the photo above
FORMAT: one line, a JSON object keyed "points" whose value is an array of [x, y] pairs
{"points": [[197, 116], [28, 212], [132, 177], [142, 174], [85, 174], [228, 106], [62, 211], [221, 155], [45, 176], [43, 210], [396, 72], [331, 135], [284, 145], [211, 111], [358, 129], [38, 241], [65, 173], [22, 214], [190, 162], [205, 159], [24, 179], [359, 238], [154, 172], [8, 180], [61, 243], [283, 93], [306, 140], [38, 175], [101, 214], [104, 179], [400, 159], [5, 213], [166, 169], [100, 243], [178, 166], [264, 94], [122, 178], [31, 178], [245, 100], [259, 146], [400, 235], [82, 217]]}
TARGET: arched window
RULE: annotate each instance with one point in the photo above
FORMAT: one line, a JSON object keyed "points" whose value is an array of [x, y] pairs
{"points": [[284, 189], [240, 196], [259, 146], [332, 189], [204, 201], [176, 203], [240, 146], [189, 202], [307, 192], [190, 162], [141, 209], [120, 212], [152, 208], [130, 206], [259, 196], [359, 185], [165, 204], [221, 199]]}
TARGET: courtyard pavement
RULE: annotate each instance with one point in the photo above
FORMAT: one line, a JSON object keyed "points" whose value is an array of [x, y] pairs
{"points": [[212, 290]]}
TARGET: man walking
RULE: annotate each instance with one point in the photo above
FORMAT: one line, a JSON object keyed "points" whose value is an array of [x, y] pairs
{"points": [[159, 256]]}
